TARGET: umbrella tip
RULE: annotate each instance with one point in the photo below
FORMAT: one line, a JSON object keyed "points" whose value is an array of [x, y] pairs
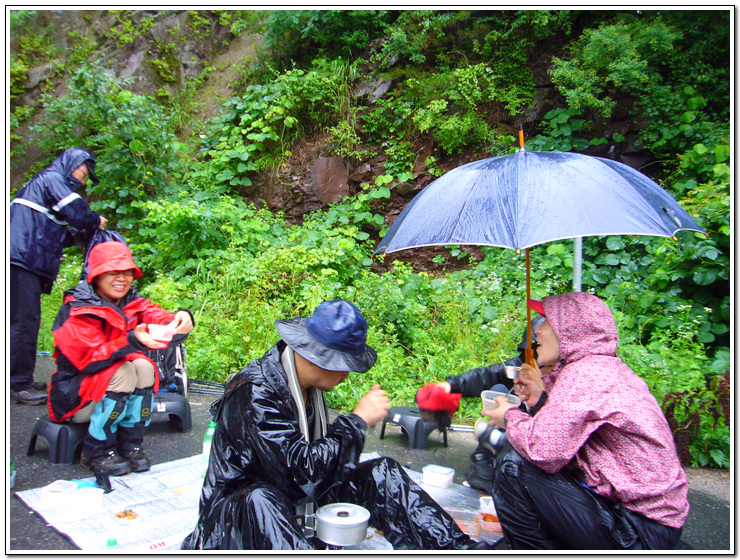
{"points": [[518, 252], [674, 238]]}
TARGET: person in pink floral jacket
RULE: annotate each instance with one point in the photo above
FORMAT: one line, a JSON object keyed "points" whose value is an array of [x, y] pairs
{"points": [[596, 467]]}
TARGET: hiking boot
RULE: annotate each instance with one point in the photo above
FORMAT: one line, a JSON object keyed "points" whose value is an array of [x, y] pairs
{"points": [[28, 396], [137, 459], [40, 386], [111, 464]]}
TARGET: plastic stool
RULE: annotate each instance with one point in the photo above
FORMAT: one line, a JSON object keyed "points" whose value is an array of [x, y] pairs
{"points": [[409, 418], [62, 438], [176, 406]]}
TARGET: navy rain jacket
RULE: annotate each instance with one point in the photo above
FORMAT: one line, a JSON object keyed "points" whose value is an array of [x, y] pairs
{"points": [[42, 212]]}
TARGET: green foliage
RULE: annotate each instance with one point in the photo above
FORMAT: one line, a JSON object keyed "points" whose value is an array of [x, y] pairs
{"points": [[18, 19], [447, 106], [126, 30], [237, 21], [129, 135], [510, 42], [560, 126], [677, 121], [256, 130], [301, 35], [612, 58]]}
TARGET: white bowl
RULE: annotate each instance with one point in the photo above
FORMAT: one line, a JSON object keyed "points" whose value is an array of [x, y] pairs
{"points": [[162, 333], [489, 399]]}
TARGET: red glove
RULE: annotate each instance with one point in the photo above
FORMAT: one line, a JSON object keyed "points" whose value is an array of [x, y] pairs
{"points": [[433, 398]]}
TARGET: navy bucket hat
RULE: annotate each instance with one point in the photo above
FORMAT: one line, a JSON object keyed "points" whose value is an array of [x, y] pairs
{"points": [[333, 337]]}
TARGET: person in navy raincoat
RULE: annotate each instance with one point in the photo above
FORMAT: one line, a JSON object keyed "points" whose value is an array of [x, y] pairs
{"points": [[275, 456], [43, 216], [103, 376]]}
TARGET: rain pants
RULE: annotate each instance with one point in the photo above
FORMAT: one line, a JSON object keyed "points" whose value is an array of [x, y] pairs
{"points": [[261, 467], [596, 467]]}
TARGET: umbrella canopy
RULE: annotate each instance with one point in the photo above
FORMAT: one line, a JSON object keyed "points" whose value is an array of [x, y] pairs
{"points": [[528, 198]]}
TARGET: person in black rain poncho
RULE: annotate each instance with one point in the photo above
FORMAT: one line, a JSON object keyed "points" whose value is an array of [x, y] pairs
{"points": [[275, 458]]}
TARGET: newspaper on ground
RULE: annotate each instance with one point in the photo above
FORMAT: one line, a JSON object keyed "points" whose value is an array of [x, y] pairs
{"points": [[157, 509]]}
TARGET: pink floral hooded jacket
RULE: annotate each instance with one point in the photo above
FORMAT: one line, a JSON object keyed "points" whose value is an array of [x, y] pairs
{"points": [[600, 420]]}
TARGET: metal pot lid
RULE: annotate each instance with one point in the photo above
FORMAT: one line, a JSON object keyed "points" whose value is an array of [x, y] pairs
{"points": [[343, 514]]}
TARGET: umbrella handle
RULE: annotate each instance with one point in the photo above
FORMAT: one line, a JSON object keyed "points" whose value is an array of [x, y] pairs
{"points": [[529, 357], [529, 351]]}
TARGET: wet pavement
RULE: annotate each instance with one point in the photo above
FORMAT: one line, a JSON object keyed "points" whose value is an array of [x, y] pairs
{"points": [[708, 527]]}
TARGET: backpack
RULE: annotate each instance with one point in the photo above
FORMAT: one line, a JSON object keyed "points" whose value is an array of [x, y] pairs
{"points": [[171, 366]]}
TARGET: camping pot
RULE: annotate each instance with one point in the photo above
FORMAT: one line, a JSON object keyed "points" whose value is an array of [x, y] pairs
{"points": [[342, 524]]}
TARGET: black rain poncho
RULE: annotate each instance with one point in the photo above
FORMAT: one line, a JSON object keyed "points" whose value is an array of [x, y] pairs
{"points": [[261, 467]]}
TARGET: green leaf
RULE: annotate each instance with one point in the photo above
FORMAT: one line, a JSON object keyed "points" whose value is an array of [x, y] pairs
{"points": [[489, 313], [704, 277], [136, 146], [614, 243], [705, 337]]}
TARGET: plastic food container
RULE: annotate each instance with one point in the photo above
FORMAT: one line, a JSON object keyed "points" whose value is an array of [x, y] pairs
{"points": [[58, 493], [342, 524], [435, 475], [88, 499], [489, 402], [489, 521]]}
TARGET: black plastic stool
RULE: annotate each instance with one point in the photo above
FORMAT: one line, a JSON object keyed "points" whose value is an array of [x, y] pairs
{"points": [[176, 406], [409, 418], [62, 438]]}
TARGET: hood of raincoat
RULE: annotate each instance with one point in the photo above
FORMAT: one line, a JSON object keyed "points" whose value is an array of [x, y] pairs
{"points": [[46, 213], [71, 159], [108, 256], [584, 325]]}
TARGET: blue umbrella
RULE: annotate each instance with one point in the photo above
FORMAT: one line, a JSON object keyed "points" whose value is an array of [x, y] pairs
{"points": [[528, 198]]}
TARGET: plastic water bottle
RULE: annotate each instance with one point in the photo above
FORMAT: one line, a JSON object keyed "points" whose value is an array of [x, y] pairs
{"points": [[207, 440], [488, 435]]}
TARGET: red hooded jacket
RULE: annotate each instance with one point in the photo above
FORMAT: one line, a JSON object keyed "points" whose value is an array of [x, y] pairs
{"points": [[93, 337]]}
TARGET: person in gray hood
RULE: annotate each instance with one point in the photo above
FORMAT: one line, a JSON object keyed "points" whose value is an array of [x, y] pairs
{"points": [[44, 216]]}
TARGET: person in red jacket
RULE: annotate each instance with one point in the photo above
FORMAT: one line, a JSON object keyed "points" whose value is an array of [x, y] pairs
{"points": [[102, 375]]}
